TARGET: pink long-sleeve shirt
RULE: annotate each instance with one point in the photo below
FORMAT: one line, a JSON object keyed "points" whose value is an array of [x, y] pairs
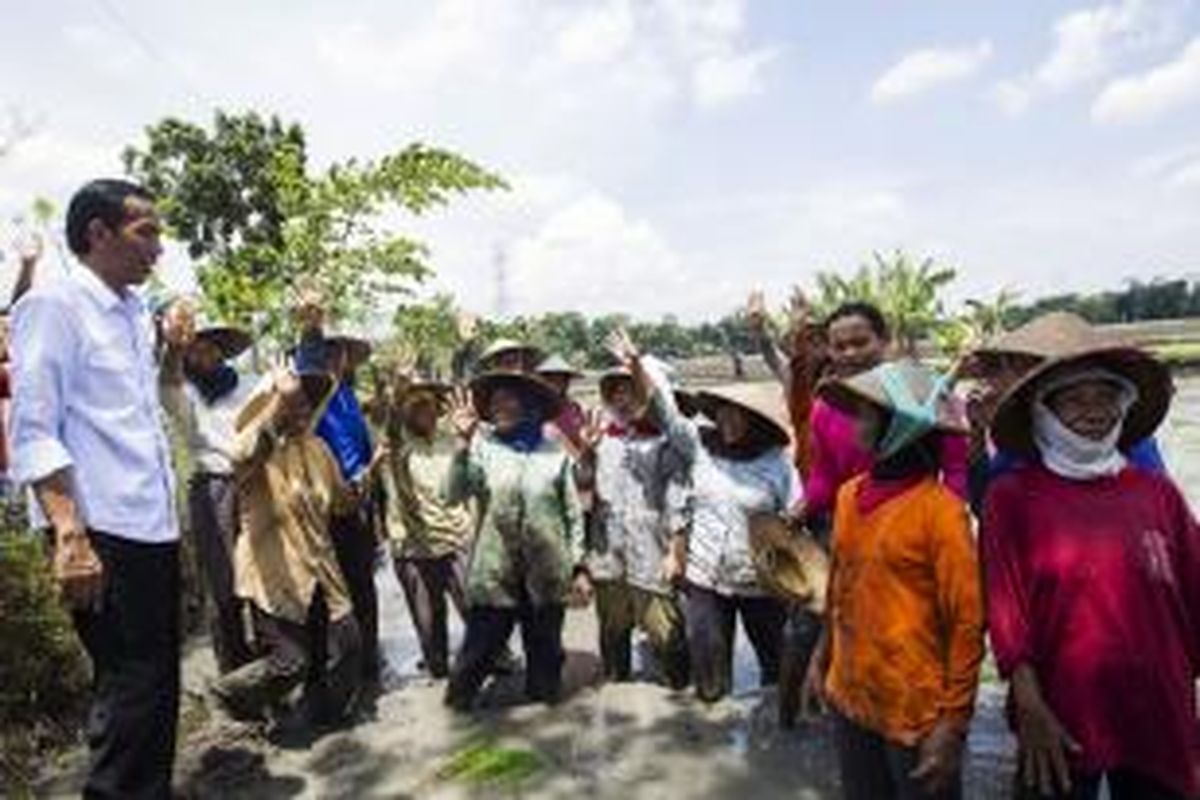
{"points": [[1096, 586], [835, 456]]}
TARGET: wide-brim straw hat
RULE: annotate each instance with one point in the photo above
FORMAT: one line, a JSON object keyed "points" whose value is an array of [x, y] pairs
{"points": [[1012, 426], [1050, 335], [522, 383], [790, 565], [424, 387], [231, 341], [533, 355], [849, 394], [265, 397], [555, 364], [762, 401]]}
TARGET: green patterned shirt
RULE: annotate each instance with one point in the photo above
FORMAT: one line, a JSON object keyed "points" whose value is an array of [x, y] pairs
{"points": [[529, 534]]}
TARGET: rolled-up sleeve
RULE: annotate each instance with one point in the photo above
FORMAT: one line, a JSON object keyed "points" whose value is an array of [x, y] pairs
{"points": [[42, 347]]}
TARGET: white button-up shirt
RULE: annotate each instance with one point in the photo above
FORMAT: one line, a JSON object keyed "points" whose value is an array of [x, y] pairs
{"points": [[85, 398]]}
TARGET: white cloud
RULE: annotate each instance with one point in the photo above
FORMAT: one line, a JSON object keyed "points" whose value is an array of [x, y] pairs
{"points": [[1178, 168], [1088, 44], [598, 34], [719, 80], [1140, 98], [651, 51], [591, 255], [923, 70]]}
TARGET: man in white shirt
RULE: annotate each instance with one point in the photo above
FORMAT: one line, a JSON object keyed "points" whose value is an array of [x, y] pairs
{"points": [[87, 435]]}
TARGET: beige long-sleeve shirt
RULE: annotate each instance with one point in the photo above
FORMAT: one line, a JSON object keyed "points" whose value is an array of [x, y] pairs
{"points": [[288, 490]]}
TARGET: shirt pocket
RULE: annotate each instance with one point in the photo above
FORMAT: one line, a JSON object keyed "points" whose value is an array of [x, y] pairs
{"points": [[110, 377]]}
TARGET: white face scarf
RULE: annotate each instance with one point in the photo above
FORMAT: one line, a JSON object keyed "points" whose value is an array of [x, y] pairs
{"points": [[1065, 452]]}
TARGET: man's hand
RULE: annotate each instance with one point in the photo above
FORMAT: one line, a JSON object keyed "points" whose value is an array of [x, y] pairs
{"points": [[309, 309], [77, 569], [938, 758], [582, 590], [1042, 741]]}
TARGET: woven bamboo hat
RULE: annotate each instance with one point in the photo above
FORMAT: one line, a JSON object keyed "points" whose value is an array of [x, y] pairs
{"points": [[231, 341], [532, 355], [917, 398], [358, 347], [554, 364], [483, 385], [791, 566], [762, 401], [1012, 426]]}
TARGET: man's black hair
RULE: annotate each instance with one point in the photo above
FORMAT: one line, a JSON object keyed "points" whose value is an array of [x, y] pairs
{"points": [[102, 199], [867, 311]]}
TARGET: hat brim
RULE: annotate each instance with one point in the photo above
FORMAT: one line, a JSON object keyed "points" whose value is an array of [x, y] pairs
{"points": [[484, 385], [707, 402], [232, 342], [532, 355], [1012, 426], [359, 349], [851, 396]]}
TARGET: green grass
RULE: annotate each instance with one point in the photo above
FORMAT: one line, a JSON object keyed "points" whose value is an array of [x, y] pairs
{"points": [[485, 762], [1178, 352]]}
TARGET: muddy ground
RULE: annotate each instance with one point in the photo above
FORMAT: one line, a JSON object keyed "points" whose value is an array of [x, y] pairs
{"points": [[613, 741]]}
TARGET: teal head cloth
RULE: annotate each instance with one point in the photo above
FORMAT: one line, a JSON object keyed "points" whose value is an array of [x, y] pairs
{"points": [[910, 418]]}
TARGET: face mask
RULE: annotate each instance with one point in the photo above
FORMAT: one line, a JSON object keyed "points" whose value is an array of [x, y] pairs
{"points": [[1066, 453]]}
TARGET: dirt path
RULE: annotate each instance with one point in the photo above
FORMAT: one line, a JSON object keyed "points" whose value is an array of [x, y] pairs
{"points": [[616, 741]]}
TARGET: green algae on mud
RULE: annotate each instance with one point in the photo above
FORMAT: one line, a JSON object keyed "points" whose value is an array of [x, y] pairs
{"points": [[485, 762]]}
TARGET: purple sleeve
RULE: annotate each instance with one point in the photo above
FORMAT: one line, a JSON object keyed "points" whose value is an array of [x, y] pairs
{"points": [[822, 480]]}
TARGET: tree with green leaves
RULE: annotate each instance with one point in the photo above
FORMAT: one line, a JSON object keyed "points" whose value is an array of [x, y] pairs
{"points": [[259, 221], [907, 291]]}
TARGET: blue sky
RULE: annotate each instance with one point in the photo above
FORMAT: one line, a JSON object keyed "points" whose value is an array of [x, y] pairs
{"points": [[667, 156]]}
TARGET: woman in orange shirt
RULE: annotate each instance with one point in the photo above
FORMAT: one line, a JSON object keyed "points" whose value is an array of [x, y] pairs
{"points": [[900, 660]]}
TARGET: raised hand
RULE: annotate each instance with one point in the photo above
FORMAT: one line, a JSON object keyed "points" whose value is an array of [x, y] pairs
{"points": [[756, 311], [622, 348], [799, 309], [592, 431], [463, 417], [179, 324], [30, 248], [467, 325]]}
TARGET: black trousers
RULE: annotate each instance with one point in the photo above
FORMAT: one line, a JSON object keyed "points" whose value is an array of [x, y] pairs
{"points": [[1123, 784], [355, 545], [800, 637], [133, 642], [212, 507], [873, 768], [711, 625], [427, 582], [488, 629], [321, 654]]}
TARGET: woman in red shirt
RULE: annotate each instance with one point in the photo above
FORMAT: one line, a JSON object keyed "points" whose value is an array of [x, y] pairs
{"points": [[1093, 585]]}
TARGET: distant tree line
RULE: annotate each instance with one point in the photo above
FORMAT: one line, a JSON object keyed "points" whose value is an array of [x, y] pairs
{"points": [[1139, 301]]}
